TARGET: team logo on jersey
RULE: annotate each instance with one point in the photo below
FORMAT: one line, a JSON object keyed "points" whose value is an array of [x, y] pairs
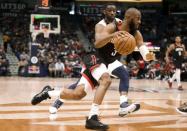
{"points": [[114, 53], [93, 59]]}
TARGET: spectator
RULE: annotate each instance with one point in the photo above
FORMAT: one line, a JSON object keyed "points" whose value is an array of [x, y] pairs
{"points": [[51, 69], [4, 63], [59, 68], [22, 66]]}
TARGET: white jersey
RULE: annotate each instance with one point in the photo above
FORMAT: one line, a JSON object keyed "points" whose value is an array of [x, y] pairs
{"points": [[103, 22]]}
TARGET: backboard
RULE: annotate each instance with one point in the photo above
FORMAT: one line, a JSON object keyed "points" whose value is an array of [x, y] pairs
{"points": [[40, 21]]}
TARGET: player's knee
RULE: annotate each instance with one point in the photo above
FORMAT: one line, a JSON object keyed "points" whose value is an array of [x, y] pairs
{"points": [[105, 80], [121, 72], [124, 75]]}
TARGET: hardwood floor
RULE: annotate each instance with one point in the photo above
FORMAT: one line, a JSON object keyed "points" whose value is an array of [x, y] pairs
{"points": [[157, 111]]}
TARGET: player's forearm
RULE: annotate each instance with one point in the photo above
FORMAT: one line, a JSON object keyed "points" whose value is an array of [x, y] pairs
{"points": [[167, 55], [102, 40]]}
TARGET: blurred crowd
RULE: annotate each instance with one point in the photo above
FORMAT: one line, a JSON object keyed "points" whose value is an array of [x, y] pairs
{"points": [[160, 31], [60, 54]]}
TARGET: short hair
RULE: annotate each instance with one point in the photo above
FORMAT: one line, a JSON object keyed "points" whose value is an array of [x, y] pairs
{"points": [[106, 5], [131, 11]]}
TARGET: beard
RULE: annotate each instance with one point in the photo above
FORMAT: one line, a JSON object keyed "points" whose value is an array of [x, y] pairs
{"points": [[109, 19], [132, 27]]}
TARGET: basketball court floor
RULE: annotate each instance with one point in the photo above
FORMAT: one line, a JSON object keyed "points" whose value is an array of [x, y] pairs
{"points": [[157, 111]]}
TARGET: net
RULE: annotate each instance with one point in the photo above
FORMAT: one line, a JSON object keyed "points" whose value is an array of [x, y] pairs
{"points": [[46, 33]]}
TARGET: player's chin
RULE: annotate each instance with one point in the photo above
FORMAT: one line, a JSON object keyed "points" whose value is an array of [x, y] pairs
{"points": [[137, 27], [112, 17]]}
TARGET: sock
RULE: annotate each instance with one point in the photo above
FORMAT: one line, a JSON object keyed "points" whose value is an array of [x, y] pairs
{"points": [[94, 110], [123, 98], [54, 93], [178, 77]]}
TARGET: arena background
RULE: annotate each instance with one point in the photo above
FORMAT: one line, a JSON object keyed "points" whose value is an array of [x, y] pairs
{"points": [[42, 42], [161, 22]]}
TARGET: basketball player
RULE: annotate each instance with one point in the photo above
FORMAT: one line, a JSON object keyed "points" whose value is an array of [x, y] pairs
{"points": [[105, 30], [177, 50], [114, 65], [110, 58]]}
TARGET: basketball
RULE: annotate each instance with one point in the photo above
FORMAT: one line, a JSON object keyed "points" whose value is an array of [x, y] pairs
{"points": [[124, 44]]}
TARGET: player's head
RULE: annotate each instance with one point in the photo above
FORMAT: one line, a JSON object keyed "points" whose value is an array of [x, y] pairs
{"points": [[109, 12], [133, 17], [177, 39]]}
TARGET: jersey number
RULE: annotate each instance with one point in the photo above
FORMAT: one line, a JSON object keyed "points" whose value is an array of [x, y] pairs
{"points": [[113, 53]]}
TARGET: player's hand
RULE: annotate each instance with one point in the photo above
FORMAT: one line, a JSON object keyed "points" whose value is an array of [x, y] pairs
{"points": [[120, 33], [150, 56]]}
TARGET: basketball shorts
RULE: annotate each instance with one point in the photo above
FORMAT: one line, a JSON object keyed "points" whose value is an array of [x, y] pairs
{"points": [[112, 66], [90, 77]]}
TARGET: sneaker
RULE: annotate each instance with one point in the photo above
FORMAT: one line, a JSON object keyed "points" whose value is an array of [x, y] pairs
{"points": [[95, 124], [55, 106], [126, 108], [43, 95], [182, 109], [180, 88], [170, 84]]}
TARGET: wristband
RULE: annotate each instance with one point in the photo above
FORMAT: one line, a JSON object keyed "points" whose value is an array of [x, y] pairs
{"points": [[143, 51]]}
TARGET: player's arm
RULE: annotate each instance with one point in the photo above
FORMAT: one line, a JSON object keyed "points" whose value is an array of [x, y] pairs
{"points": [[144, 51], [184, 52], [169, 49], [105, 34]]}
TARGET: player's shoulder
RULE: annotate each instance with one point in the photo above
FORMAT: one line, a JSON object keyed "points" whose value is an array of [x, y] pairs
{"points": [[102, 22]]}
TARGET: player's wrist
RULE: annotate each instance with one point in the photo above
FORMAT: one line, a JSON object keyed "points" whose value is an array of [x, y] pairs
{"points": [[144, 52]]}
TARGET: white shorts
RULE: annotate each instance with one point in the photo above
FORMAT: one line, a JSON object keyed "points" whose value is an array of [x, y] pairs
{"points": [[112, 66], [96, 73]]}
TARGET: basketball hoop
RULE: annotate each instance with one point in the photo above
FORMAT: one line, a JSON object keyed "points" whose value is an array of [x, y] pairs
{"points": [[33, 35], [46, 33]]}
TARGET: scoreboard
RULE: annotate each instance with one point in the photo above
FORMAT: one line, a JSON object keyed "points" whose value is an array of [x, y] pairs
{"points": [[90, 9]]}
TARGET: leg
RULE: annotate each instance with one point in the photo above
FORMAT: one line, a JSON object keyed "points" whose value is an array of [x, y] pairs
{"points": [[178, 78], [75, 91], [73, 94], [48, 92], [101, 75], [104, 83], [125, 108], [92, 121], [172, 79]]}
